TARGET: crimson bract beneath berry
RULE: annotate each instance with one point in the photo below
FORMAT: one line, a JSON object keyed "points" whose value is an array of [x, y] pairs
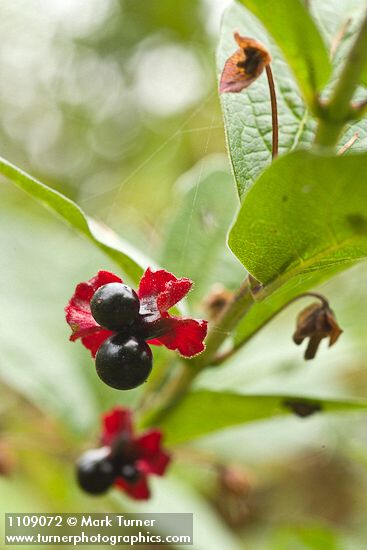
{"points": [[115, 306], [123, 362], [158, 292], [95, 471]]}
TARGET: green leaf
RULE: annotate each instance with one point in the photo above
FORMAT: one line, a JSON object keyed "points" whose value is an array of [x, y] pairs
{"points": [[247, 115], [104, 238], [202, 412], [305, 214], [303, 221], [305, 537], [297, 36], [194, 239], [340, 20]]}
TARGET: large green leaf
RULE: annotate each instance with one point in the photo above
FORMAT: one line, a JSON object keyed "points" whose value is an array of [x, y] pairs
{"points": [[247, 115], [202, 412], [304, 220], [71, 213], [296, 34], [305, 214], [194, 239]]}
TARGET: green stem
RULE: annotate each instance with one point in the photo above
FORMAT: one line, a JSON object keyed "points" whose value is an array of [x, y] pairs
{"points": [[219, 359], [241, 302], [339, 111], [176, 387]]}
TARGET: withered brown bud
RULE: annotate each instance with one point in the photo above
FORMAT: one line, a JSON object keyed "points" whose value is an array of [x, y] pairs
{"points": [[302, 408], [216, 301], [244, 66], [316, 322]]}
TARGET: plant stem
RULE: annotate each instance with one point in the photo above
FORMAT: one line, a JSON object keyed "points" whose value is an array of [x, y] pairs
{"points": [[274, 111], [219, 359], [176, 387], [339, 110], [241, 302], [333, 117]]}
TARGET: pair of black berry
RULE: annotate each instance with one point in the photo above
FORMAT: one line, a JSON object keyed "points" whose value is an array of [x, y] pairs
{"points": [[124, 360], [98, 469]]}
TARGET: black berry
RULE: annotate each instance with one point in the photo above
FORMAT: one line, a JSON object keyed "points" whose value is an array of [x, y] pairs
{"points": [[123, 362], [95, 471], [130, 473], [115, 306]]}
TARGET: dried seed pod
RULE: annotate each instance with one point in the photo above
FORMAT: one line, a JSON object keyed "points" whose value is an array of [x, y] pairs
{"points": [[316, 322]]}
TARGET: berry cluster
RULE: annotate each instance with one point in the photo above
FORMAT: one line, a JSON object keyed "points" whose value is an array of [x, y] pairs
{"points": [[125, 460], [118, 325], [98, 469], [124, 360]]}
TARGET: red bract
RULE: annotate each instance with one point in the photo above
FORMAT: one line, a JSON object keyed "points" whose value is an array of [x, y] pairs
{"points": [[143, 453], [158, 292]]}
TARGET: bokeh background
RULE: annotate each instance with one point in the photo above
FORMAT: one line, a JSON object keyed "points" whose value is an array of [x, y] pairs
{"points": [[114, 103]]}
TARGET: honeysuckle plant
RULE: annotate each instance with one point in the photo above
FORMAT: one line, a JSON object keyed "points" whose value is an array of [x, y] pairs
{"points": [[293, 110]]}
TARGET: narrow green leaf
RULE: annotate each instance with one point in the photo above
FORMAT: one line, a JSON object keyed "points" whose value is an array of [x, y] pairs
{"points": [[202, 412], [297, 36], [66, 209]]}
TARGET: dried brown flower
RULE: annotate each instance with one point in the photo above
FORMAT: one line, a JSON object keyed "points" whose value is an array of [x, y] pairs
{"points": [[316, 322], [244, 66]]}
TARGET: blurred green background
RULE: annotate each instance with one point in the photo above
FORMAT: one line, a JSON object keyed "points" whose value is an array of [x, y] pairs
{"points": [[114, 103]]}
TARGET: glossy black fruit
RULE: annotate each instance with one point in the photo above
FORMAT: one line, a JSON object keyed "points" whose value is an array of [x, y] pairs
{"points": [[95, 471], [123, 362], [115, 306]]}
